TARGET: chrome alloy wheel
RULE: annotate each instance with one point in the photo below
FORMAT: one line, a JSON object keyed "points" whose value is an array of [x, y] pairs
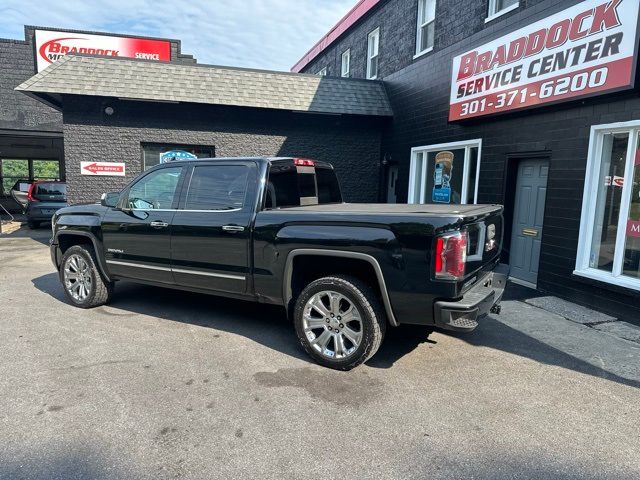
{"points": [[332, 324], [77, 278]]}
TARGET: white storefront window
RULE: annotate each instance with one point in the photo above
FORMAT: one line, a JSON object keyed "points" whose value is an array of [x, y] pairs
{"points": [[445, 173], [609, 245]]}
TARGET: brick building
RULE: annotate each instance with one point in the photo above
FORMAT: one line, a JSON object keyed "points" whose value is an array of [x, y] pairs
{"points": [[530, 103], [564, 169]]}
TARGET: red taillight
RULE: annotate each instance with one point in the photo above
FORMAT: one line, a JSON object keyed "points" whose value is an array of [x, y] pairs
{"points": [[303, 162], [439, 249], [32, 188], [451, 255]]}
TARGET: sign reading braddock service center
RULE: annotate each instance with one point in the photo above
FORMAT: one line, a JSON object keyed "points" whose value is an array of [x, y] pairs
{"points": [[587, 49], [52, 45]]}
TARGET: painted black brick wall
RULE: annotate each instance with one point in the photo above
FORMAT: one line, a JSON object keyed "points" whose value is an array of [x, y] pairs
{"points": [[397, 19], [352, 145]]}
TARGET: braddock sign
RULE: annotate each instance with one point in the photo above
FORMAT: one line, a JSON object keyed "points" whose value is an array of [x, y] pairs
{"points": [[588, 49], [52, 45]]}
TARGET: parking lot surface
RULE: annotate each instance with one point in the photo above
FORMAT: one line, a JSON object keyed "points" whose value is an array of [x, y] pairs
{"points": [[163, 384]]}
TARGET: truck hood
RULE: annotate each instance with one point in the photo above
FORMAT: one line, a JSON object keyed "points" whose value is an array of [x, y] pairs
{"points": [[94, 209]]}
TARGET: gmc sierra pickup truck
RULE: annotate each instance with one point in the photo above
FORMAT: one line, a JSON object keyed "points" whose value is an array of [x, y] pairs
{"points": [[276, 230]]}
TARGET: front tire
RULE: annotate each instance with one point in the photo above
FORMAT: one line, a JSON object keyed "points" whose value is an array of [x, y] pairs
{"points": [[33, 225], [82, 281], [339, 321]]}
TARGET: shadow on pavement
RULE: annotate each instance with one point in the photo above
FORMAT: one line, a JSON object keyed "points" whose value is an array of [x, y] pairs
{"points": [[41, 234], [78, 463], [268, 325], [495, 334]]}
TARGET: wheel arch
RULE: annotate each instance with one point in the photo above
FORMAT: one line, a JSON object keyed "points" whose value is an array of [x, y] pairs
{"points": [[69, 238], [288, 280]]}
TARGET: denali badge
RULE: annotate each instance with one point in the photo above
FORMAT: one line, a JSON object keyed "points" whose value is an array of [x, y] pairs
{"points": [[114, 250]]}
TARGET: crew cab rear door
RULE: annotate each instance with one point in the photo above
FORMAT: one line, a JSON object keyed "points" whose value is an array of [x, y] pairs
{"points": [[211, 234]]}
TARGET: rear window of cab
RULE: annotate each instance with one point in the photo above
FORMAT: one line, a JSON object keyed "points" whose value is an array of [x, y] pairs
{"points": [[289, 185]]}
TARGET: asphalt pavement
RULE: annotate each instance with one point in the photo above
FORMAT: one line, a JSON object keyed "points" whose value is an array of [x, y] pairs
{"points": [[163, 384]]}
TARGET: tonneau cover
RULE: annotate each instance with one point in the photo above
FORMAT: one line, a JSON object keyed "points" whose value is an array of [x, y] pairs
{"points": [[397, 208]]}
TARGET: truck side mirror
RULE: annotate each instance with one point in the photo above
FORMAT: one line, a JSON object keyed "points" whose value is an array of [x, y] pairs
{"points": [[110, 199]]}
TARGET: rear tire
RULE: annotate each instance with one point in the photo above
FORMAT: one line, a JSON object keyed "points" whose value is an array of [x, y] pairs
{"points": [[339, 321], [82, 281]]}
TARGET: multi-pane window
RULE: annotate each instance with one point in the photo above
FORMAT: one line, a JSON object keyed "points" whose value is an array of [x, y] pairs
{"points": [[445, 173], [26, 171], [426, 25], [322, 72], [345, 70], [498, 7], [609, 247], [373, 48]]}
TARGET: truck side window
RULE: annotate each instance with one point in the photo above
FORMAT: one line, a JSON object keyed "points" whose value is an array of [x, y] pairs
{"points": [[155, 191], [217, 187]]}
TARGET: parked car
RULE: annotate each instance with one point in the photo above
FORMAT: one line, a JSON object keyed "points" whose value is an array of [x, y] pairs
{"points": [[275, 230], [40, 200]]}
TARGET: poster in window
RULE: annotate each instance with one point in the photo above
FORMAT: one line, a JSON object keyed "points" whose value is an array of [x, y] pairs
{"points": [[442, 177]]}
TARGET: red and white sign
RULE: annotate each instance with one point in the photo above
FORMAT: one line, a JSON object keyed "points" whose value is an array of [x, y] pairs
{"points": [[111, 169], [53, 45], [633, 229], [587, 49], [617, 181]]}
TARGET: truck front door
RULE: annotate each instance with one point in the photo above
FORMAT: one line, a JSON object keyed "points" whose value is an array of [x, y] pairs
{"points": [[211, 230], [137, 234]]}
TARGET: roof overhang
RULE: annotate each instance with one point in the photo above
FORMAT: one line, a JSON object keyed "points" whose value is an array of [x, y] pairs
{"points": [[166, 82]]}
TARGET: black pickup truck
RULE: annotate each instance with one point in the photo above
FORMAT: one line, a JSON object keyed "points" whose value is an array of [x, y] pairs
{"points": [[275, 230]]}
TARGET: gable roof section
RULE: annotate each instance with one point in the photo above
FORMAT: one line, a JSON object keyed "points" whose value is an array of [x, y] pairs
{"points": [[170, 82]]}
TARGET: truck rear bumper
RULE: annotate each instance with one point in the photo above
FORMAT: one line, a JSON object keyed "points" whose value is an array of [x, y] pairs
{"points": [[463, 315]]}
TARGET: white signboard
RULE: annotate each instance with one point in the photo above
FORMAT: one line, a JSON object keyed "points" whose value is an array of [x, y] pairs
{"points": [[110, 169], [52, 45], [585, 50]]}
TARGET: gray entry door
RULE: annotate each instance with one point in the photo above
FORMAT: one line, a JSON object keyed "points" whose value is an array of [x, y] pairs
{"points": [[528, 216]]}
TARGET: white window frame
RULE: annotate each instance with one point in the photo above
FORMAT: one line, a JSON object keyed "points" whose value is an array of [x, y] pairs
{"points": [[370, 54], [420, 196], [322, 72], [493, 14], [346, 55], [587, 218], [422, 22]]}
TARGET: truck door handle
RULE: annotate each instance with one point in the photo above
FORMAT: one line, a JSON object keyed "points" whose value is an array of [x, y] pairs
{"points": [[232, 228], [159, 224]]}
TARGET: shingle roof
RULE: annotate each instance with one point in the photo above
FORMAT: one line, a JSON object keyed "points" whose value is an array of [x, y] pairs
{"points": [[145, 80]]}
